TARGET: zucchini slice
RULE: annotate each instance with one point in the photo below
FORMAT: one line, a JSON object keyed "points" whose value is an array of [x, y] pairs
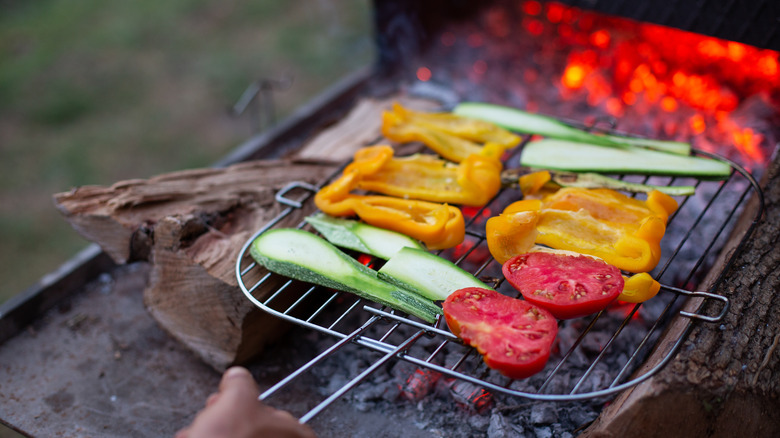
{"points": [[361, 237], [670, 146], [304, 256], [583, 157], [527, 123], [427, 274], [518, 120]]}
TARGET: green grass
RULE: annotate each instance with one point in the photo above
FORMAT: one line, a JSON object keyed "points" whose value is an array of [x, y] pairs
{"points": [[93, 92]]}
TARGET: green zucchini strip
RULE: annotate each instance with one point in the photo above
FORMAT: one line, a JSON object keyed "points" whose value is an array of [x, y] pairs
{"points": [[427, 274], [304, 256], [582, 157], [517, 120], [361, 237]]}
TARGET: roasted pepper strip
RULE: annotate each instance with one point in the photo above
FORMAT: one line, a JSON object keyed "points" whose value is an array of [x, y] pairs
{"points": [[439, 226], [611, 206], [639, 288], [473, 182], [513, 232], [451, 136], [595, 224], [531, 183]]}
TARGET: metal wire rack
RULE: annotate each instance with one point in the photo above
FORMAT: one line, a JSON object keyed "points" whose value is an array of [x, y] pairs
{"points": [[695, 234]]}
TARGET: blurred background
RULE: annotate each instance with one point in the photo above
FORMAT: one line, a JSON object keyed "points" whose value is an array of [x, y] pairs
{"points": [[97, 91]]}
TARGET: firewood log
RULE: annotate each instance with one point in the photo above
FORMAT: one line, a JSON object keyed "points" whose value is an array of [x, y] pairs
{"points": [[190, 225]]}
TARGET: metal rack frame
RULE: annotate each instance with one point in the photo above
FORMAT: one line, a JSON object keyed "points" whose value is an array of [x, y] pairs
{"points": [[334, 313]]}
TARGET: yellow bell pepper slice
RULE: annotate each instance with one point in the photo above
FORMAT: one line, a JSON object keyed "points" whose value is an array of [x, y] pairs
{"points": [[626, 235], [531, 183], [639, 288], [611, 206], [473, 182], [438, 226], [452, 136], [510, 234]]}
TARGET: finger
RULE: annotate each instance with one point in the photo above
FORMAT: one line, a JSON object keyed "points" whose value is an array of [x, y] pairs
{"points": [[238, 386], [237, 377], [212, 399]]}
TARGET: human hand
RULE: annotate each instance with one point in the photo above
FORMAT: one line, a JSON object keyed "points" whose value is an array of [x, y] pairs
{"points": [[235, 412]]}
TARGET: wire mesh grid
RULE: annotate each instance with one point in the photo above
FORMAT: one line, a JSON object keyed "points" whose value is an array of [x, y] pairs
{"points": [[596, 356]]}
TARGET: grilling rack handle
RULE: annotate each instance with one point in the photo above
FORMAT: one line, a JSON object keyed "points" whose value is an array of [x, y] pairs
{"points": [[281, 195], [705, 295]]}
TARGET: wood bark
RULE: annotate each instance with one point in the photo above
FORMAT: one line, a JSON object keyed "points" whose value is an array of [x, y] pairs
{"points": [[190, 226], [725, 380]]}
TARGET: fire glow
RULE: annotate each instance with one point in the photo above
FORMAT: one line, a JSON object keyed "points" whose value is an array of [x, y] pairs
{"points": [[684, 85]]}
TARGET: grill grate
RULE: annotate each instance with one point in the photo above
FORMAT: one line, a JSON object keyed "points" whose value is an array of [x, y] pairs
{"points": [[614, 341]]}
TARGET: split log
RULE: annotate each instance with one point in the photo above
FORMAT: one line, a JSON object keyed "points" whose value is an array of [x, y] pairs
{"points": [[190, 225], [725, 380]]}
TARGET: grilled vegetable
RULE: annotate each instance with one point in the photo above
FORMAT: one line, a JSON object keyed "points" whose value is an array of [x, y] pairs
{"points": [[530, 181], [597, 181], [639, 288], [358, 236], [672, 147], [513, 231], [582, 157], [623, 231], [426, 274], [528, 123], [439, 226], [569, 286], [452, 136], [304, 256], [513, 336], [611, 206], [472, 182]]}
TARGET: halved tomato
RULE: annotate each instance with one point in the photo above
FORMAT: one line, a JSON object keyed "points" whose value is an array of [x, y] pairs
{"points": [[513, 336], [569, 286]]}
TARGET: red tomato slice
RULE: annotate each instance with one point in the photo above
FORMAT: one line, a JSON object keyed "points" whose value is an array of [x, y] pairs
{"points": [[569, 286], [513, 336]]}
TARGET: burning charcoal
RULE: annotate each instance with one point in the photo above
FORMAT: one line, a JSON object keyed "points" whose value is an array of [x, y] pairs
{"points": [[470, 396], [419, 384], [544, 413]]}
